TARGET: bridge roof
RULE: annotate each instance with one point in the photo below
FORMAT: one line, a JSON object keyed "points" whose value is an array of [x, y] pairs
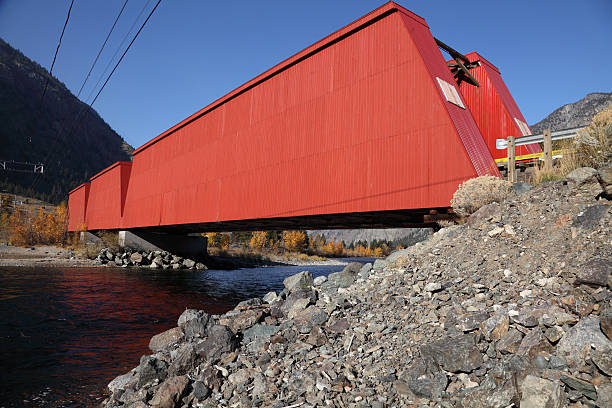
{"points": [[370, 18]]}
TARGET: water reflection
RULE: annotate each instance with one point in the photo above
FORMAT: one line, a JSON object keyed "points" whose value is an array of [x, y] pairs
{"points": [[66, 332]]}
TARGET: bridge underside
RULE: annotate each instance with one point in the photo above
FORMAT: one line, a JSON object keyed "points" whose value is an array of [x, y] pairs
{"points": [[422, 218]]}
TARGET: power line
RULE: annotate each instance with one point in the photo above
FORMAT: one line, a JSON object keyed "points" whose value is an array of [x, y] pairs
{"points": [[76, 120], [125, 52], [118, 49], [102, 48], [59, 43]]}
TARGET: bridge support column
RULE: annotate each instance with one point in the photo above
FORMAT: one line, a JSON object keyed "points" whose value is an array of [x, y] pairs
{"points": [[87, 237], [184, 245]]}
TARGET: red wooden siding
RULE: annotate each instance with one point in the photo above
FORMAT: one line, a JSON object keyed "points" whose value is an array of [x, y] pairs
{"points": [[493, 107], [355, 123], [77, 203]]}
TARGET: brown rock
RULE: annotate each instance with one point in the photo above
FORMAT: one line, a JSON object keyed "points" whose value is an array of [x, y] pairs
{"points": [[495, 327], [164, 340], [509, 344], [169, 392], [316, 337], [534, 343]]}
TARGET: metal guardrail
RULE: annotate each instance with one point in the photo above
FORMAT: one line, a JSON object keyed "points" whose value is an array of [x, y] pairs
{"points": [[501, 144], [511, 142]]}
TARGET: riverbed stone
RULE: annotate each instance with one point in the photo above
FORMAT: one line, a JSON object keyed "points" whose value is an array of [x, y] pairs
{"points": [[310, 317], [595, 272], [577, 344], [194, 323], [302, 280], [169, 393], [455, 354], [319, 280], [584, 387], [541, 393], [220, 340], [151, 368], [165, 339], [124, 381], [510, 342]]}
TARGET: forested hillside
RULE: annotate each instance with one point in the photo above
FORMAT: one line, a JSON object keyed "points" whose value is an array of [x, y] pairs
{"points": [[35, 130]]}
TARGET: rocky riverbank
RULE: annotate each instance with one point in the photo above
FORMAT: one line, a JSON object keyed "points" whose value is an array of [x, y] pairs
{"points": [[512, 308]]}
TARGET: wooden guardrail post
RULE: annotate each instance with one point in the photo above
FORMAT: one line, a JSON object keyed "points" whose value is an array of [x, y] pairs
{"points": [[511, 160], [547, 150]]}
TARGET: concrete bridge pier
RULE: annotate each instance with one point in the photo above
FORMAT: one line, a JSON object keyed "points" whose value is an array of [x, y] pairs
{"points": [[184, 245]]}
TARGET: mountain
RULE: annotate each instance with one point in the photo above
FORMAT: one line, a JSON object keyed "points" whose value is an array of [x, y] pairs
{"points": [[35, 130], [574, 114], [399, 236]]}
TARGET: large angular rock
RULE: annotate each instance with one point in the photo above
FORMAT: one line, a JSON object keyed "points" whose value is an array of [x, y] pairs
{"points": [[339, 280], [194, 323], [540, 393], [591, 216], [510, 343], [164, 340], [299, 295], [534, 343], [183, 360], [577, 344], [581, 176], [123, 382], [261, 331], [302, 280], [220, 340], [312, 316], [151, 368], [169, 393], [495, 327], [595, 272], [424, 380], [470, 321], [584, 387], [488, 212], [454, 354], [241, 320]]}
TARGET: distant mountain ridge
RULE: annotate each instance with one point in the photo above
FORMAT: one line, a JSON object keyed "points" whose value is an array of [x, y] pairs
{"points": [[35, 132], [574, 114]]}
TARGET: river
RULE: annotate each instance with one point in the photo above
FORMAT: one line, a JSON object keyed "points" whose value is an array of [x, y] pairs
{"points": [[66, 332]]}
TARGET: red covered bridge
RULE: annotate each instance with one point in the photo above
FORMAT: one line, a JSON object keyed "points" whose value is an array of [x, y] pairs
{"points": [[369, 127]]}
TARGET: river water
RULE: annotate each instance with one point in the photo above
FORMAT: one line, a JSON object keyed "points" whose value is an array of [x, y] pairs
{"points": [[66, 332]]}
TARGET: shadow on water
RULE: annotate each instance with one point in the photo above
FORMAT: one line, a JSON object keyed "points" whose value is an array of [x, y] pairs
{"points": [[66, 332]]}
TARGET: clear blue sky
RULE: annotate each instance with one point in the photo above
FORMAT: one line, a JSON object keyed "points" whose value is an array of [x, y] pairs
{"points": [[192, 52]]}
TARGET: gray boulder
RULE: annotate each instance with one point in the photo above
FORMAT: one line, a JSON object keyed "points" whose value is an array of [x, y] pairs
{"points": [[220, 340], [577, 344], [302, 280], [595, 272], [194, 323], [151, 368], [540, 393], [454, 354]]}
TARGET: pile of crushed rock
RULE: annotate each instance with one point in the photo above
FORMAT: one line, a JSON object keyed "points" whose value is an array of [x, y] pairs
{"points": [[512, 308]]}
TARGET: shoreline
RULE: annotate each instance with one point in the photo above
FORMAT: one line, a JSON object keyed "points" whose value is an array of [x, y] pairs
{"points": [[53, 256]]}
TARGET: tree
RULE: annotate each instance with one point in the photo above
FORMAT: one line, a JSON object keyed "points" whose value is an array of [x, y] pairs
{"points": [[295, 241], [258, 241]]}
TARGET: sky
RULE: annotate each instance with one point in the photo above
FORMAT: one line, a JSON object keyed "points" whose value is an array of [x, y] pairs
{"points": [[191, 53]]}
